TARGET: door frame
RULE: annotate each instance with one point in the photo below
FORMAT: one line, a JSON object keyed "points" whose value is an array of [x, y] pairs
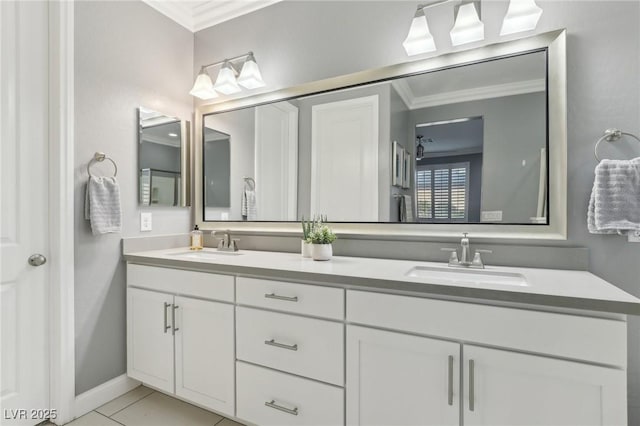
{"points": [[61, 210]]}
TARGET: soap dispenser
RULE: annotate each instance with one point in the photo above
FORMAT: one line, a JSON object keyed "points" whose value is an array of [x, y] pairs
{"points": [[196, 239]]}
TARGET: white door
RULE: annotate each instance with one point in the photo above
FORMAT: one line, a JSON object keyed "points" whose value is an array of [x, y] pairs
{"points": [[205, 355], [150, 324], [344, 165], [24, 294], [514, 389], [398, 379], [277, 161]]}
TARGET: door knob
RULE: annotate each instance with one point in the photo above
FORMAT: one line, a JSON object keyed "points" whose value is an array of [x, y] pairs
{"points": [[37, 259]]}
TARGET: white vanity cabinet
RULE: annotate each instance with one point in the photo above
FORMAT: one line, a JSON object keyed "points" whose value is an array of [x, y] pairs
{"points": [[170, 335], [414, 379]]}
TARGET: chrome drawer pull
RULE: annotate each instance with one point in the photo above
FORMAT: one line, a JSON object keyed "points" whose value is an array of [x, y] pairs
{"points": [[272, 342], [166, 325], [450, 394], [273, 405], [286, 298], [472, 391], [173, 319]]}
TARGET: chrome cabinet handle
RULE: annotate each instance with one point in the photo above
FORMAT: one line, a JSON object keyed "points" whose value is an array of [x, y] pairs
{"points": [[272, 404], [272, 342], [173, 319], [166, 325], [450, 394], [484, 251], [472, 392], [286, 298]]}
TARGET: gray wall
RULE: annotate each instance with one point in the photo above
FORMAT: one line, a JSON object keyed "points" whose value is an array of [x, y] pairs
{"points": [[514, 130], [126, 55], [292, 46]]}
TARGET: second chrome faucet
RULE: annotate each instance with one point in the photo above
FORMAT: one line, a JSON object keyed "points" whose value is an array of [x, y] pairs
{"points": [[464, 261]]}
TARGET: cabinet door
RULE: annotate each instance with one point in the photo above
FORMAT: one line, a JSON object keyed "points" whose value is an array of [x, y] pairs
{"points": [[149, 339], [205, 355], [398, 379], [508, 388]]}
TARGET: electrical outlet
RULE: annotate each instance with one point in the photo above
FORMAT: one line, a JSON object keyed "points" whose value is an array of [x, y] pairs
{"points": [[633, 236], [491, 216], [145, 221]]}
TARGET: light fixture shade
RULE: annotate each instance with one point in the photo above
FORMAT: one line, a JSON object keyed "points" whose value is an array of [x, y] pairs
{"points": [[226, 82], [250, 76], [419, 40], [522, 15], [203, 87], [468, 26]]}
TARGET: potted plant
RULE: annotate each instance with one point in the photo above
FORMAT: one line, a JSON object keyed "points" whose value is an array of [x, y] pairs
{"points": [[321, 239], [305, 244]]}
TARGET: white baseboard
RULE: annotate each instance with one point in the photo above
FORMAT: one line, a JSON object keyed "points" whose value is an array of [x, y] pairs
{"points": [[100, 395]]}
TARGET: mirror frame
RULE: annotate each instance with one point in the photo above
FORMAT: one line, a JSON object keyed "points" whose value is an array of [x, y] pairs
{"points": [[185, 162], [556, 229]]}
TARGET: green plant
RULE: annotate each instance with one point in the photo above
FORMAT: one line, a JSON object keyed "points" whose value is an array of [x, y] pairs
{"points": [[322, 235], [309, 226]]}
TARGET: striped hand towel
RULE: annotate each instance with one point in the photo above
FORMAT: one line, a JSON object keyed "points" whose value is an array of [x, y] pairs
{"points": [[102, 205], [614, 206]]}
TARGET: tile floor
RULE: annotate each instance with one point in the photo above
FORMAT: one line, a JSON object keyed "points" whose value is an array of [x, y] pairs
{"points": [[146, 407]]}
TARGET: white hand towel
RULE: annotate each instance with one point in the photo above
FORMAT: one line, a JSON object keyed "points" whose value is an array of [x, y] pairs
{"points": [[408, 208], [249, 203], [614, 206], [102, 205]]}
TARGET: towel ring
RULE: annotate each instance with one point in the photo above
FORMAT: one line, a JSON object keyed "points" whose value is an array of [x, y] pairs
{"points": [[611, 135], [100, 157]]}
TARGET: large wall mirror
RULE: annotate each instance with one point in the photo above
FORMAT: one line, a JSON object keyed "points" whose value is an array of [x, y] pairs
{"points": [[163, 159], [473, 141]]}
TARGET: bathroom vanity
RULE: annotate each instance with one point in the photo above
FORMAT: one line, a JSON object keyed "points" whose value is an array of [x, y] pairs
{"points": [[274, 339]]}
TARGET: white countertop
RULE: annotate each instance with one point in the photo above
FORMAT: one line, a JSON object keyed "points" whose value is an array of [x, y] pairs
{"points": [[548, 287]]}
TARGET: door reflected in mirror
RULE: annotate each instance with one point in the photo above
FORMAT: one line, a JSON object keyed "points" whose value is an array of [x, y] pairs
{"points": [[466, 144], [163, 149]]}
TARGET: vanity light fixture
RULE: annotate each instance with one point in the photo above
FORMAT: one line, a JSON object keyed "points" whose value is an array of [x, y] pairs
{"points": [[522, 15], [419, 40], [468, 27], [226, 82]]}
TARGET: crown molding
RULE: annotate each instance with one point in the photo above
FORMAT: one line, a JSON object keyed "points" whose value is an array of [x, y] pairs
{"points": [[477, 93], [196, 16]]}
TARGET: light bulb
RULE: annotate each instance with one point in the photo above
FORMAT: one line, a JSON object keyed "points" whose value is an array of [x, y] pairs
{"points": [[226, 82], [203, 87]]}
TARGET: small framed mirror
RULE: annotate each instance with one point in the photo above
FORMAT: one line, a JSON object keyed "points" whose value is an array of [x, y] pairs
{"points": [[163, 159]]}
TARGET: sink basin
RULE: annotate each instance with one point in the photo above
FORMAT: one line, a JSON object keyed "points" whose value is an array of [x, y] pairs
{"points": [[473, 277], [203, 254]]}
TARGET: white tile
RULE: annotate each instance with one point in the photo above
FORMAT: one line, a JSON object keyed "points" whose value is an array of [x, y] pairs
{"points": [[112, 407], [93, 419], [161, 410]]}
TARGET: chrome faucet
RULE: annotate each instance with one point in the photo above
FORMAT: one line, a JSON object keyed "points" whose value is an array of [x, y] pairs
{"points": [[465, 255], [226, 243]]}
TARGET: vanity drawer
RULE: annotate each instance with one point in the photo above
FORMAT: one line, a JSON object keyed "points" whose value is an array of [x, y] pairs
{"points": [[568, 336], [181, 282], [292, 400], [327, 302], [305, 346]]}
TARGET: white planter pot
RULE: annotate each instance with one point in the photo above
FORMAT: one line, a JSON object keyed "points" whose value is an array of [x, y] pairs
{"points": [[305, 248], [322, 251]]}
